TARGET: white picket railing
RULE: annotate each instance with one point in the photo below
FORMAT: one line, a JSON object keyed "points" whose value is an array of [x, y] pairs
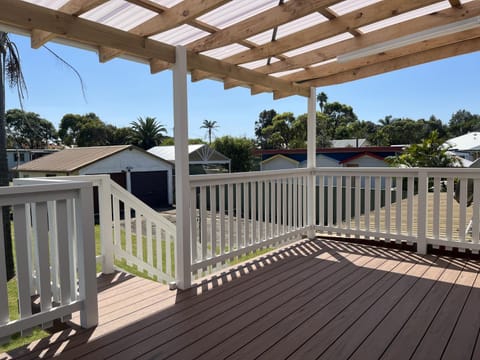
{"points": [[141, 236], [55, 255], [147, 244], [402, 205], [235, 214]]}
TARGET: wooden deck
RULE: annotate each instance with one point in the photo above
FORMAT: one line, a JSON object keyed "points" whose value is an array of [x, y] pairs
{"points": [[312, 300]]}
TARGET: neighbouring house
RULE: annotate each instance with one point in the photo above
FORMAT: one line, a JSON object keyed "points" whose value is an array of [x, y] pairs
{"points": [[466, 146], [202, 158], [145, 175], [17, 157], [328, 157]]}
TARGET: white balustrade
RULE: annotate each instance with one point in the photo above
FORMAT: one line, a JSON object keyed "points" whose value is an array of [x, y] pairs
{"points": [[235, 214], [55, 255]]}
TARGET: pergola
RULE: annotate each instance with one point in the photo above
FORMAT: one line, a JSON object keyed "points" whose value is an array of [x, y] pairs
{"points": [[285, 47]]}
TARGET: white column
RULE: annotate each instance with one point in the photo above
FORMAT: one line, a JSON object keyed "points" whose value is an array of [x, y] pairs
{"points": [[182, 182], [311, 159]]}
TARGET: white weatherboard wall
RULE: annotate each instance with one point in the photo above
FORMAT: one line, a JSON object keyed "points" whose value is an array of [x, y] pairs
{"points": [[279, 162], [133, 159], [366, 161], [326, 161]]}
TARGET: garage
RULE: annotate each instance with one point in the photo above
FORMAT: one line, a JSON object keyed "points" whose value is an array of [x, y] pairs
{"points": [[145, 175], [151, 187]]}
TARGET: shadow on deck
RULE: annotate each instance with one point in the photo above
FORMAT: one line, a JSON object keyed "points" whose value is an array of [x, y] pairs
{"points": [[313, 299]]}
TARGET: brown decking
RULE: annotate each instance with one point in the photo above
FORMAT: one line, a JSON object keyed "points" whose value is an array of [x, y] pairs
{"points": [[315, 299]]}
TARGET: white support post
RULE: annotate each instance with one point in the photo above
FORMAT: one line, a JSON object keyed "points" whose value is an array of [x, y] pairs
{"points": [[86, 258], [311, 160], [182, 181], [422, 212], [105, 214]]}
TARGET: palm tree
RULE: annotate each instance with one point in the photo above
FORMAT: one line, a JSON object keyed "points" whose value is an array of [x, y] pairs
{"points": [[11, 72], [322, 100], [147, 132], [210, 126]]}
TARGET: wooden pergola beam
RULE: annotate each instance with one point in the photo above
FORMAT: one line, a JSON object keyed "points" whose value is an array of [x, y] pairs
{"points": [[365, 16], [406, 28], [444, 52], [29, 16], [411, 50], [256, 24], [73, 7]]}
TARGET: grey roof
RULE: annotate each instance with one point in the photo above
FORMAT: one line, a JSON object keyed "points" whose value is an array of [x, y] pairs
{"points": [[69, 160], [197, 153]]}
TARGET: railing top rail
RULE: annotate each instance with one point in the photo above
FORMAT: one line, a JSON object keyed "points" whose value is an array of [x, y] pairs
{"points": [[95, 179], [375, 171], [227, 178], [10, 195]]}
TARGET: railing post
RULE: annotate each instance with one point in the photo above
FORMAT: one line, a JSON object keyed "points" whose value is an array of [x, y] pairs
{"points": [[86, 257], [105, 216], [311, 161], [182, 177], [422, 212]]}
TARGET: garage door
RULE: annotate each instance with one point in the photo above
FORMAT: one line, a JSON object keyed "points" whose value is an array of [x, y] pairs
{"points": [[151, 187]]}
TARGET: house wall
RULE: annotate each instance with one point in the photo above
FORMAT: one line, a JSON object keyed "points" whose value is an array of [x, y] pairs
{"points": [[134, 161], [366, 161], [278, 164], [31, 174]]}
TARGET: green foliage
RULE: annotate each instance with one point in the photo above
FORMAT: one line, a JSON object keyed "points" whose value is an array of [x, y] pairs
{"points": [[265, 119], [147, 132], [429, 153], [84, 130], [463, 122], [238, 149], [28, 130]]}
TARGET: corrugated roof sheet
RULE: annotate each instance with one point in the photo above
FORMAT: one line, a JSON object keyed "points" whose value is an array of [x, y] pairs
{"points": [[69, 160]]}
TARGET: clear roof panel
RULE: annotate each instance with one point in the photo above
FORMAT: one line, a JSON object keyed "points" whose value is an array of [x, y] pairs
{"points": [[225, 51], [181, 35], [51, 4], [319, 44], [348, 6], [236, 11], [300, 24], [405, 17], [119, 14]]}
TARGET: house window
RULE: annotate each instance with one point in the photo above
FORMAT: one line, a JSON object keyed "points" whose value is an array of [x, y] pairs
{"points": [[16, 157]]}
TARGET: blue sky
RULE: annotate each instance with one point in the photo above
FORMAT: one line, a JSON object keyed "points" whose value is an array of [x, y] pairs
{"points": [[120, 91]]}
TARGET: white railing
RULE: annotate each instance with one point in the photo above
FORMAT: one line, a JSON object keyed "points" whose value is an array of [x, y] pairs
{"points": [[235, 214], [54, 255], [402, 205], [146, 245], [142, 237]]}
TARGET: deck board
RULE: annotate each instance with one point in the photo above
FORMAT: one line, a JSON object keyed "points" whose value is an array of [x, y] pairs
{"points": [[314, 299]]}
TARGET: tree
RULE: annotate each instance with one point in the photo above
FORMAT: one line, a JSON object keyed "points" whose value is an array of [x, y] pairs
{"points": [[463, 122], [28, 130], [429, 153], [339, 116], [147, 132], [280, 133], [239, 150], [265, 118], [322, 99], [84, 130], [210, 126], [11, 73]]}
